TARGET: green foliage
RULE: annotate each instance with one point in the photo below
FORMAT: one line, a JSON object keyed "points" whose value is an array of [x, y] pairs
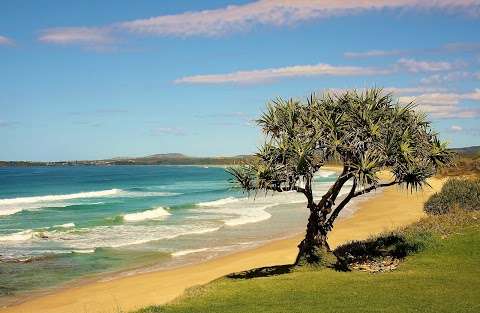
{"points": [[462, 193], [320, 257], [365, 131], [463, 164], [394, 245]]}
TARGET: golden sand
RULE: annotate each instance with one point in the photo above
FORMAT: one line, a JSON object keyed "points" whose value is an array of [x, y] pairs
{"points": [[383, 211]]}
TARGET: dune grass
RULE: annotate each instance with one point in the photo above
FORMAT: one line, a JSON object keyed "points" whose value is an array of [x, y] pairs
{"points": [[442, 275]]}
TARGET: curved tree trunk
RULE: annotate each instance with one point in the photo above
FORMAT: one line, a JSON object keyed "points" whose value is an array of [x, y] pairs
{"points": [[314, 248]]}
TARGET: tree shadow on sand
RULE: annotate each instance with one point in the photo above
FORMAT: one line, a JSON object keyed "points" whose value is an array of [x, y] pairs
{"points": [[263, 272]]}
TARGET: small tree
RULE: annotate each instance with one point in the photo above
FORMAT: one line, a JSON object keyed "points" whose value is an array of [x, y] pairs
{"points": [[365, 132]]}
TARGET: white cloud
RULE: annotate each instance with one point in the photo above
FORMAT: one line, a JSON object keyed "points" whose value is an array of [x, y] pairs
{"points": [[413, 90], [415, 66], [374, 53], [235, 18], [5, 41], [95, 38], [272, 12], [270, 74], [454, 47], [456, 128], [449, 77], [445, 105]]}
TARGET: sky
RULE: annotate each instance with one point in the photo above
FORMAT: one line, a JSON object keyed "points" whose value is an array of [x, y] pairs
{"points": [[100, 79]]}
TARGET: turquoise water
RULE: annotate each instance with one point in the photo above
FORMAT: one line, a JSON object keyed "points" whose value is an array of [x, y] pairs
{"points": [[58, 224]]}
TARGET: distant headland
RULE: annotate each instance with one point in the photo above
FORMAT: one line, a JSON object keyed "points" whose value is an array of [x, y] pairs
{"points": [[176, 159], [155, 159]]}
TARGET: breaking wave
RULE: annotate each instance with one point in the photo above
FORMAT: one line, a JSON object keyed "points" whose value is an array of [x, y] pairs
{"points": [[249, 215], [20, 236], [49, 198], [66, 225], [15, 205], [219, 202], [146, 215]]}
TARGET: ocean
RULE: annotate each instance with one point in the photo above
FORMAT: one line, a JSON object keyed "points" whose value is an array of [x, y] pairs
{"points": [[59, 225]]}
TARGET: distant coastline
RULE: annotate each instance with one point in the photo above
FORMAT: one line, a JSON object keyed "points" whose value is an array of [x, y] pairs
{"points": [[157, 159], [175, 159]]}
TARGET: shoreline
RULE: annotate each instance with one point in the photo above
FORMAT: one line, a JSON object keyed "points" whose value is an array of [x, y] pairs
{"points": [[385, 210]]}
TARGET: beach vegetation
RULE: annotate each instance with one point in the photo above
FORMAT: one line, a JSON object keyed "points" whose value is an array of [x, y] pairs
{"points": [[466, 163], [463, 193], [365, 132]]}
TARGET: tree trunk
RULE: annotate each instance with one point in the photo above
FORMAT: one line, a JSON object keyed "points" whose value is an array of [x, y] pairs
{"points": [[314, 248]]}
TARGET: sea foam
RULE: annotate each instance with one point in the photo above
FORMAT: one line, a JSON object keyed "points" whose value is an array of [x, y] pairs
{"points": [[219, 202], [66, 225], [15, 205], [188, 251], [9, 211], [20, 236], [146, 215], [249, 215], [48, 198]]}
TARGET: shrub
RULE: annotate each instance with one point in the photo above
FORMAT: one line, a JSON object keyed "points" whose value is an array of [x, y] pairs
{"points": [[396, 245], [462, 193], [400, 243]]}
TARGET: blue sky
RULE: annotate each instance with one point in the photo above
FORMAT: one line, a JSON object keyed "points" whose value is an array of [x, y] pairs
{"points": [[99, 79]]}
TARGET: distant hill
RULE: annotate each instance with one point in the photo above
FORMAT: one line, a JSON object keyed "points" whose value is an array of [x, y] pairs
{"points": [[180, 159], [155, 159], [473, 150], [166, 155], [175, 159]]}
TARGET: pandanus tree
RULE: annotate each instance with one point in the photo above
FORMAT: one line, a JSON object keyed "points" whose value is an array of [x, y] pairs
{"points": [[366, 132]]}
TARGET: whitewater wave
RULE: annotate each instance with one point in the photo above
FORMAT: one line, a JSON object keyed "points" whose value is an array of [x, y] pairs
{"points": [[85, 251], [139, 194], [219, 202], [157, 213], [238, 212], [188, 251], [9, 211], [40, 233], [20, 236], [15, 205], [51, 198], [250, 215], [66, 225], [99, 237]]}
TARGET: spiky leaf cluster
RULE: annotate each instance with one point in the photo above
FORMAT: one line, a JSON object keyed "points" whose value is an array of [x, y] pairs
{"points": [[365, 131]]}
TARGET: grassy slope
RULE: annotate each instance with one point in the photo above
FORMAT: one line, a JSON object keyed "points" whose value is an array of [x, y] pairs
{"points": [[445, 277]]}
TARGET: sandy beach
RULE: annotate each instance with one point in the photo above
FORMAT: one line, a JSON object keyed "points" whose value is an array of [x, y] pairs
{"points": [[383, 211]]}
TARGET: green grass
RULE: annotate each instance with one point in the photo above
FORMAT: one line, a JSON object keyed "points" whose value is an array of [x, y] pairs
{"points": [[443, 277]]}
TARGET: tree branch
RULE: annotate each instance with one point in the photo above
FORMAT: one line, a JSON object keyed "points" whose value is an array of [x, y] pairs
{"points": [[334, 215], [367, 190], [284, 189], [328, 200], [353, 194]]}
